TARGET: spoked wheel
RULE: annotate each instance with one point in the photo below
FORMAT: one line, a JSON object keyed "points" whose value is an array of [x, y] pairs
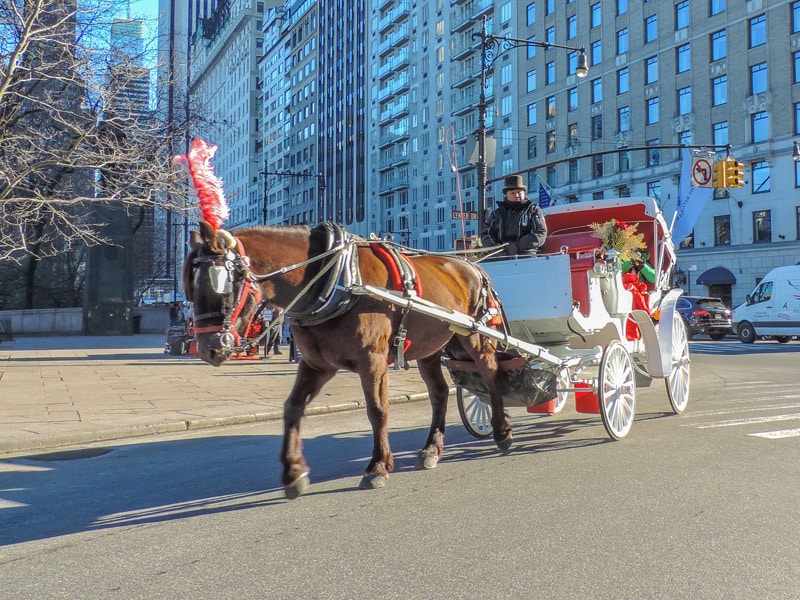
{"points": [[475, 413], [617, 390], [562, 386], [677, 379]]}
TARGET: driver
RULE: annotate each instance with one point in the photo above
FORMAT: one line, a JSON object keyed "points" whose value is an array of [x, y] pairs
{"points": [[516, 222]]}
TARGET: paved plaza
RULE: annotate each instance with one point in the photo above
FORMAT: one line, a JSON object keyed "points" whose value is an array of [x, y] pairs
{"points": [[60, 391]]}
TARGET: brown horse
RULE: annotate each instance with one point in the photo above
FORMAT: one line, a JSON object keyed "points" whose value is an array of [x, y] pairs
{"points": [[311, 273]]}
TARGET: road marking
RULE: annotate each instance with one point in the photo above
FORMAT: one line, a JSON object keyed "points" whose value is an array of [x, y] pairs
{"points": [[750, 421], [763, 407], [776, 435]]}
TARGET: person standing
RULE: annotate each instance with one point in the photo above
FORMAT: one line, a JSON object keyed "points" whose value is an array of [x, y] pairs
{"points": [[516, 222]]}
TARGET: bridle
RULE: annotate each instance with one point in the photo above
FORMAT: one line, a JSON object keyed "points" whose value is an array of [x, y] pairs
{"points": [[223, 279]]}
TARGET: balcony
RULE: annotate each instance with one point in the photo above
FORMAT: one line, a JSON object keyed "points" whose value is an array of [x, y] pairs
{"points": [[463, 75], [393, 16], [393, 40]]}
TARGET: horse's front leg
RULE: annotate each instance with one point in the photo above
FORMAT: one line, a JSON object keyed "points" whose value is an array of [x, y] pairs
{"points": [[430, 370], [306, 386], [375, 383]]}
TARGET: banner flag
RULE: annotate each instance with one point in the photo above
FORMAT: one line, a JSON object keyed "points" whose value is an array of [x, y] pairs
{"points": [[545, 199]]}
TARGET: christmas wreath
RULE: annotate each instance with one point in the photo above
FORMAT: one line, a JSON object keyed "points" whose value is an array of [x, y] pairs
{"points": [[619, 236]]}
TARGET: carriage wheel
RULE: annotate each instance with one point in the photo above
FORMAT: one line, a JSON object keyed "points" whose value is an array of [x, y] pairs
{"points": [[617, 390], [562, 385], [677, 379], [476, 415]]}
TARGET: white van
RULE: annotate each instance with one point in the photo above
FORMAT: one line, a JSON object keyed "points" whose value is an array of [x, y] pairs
{"points": [[772, 309]]}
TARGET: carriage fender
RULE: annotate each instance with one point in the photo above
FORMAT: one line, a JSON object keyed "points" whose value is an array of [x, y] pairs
{"points": [[658, 344]]}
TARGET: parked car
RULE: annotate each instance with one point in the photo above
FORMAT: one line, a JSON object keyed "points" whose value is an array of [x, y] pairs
{"points": [[705, 315]]}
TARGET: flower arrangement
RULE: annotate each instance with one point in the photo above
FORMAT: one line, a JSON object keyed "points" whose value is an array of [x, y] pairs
{"points": [[620, 236]]}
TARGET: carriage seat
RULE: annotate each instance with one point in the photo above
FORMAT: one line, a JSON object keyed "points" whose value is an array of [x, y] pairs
{"points": [[575, 243]]}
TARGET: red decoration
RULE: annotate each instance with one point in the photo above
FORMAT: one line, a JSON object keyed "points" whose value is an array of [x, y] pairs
{"points": [[210, 196]]}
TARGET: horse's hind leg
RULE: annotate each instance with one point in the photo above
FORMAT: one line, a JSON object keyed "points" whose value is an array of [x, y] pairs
{"points": [[307, 385], [375, 383], [438, 391]]}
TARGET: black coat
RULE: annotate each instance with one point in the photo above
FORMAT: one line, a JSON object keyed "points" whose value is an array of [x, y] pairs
{"points": [[520, 224]]}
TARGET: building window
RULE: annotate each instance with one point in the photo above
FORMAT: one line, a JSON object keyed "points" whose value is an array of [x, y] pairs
{"points": [[550, 35], [551, 107], [722, 230], [720, 133], [597, 14], [758, 78], [506, 106], [572, 26], [654, 152], [683, 58], [550, 141], [597, 127], [550, 73], [572, 134], [654, 190], [623, 81], [652, 111], [532, 113], [550, 6], [530, 14], [597, 52], [797, 174], [682, 14], [572, 63], [622, 7], [531, 50], [685, 137], [597, 166], [598, 195], [624, 118], [797, 118], [531, 80], [758, 31], [716, 7], [761, 177], [650, 29], [795, 17], [505, 75], [685, 100], [572, 99], [622, 41], [597, 90], [552, 180], [505, 12], [719, 87], [759, 125], [532, 147], [762, 227], [573, 171], [796, 57], [719, 45], [651, 70], [797, 221], [624, 161]]}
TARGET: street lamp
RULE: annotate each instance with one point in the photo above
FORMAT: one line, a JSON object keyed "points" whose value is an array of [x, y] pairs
{"points": [[493, 46], [796, 152], [278, 174]]}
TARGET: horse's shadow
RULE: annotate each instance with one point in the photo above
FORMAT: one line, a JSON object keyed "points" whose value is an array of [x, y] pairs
{"points": [[62, 493]]}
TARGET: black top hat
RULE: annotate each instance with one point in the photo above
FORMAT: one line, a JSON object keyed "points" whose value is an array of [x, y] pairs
{"points": [[514, 182]]}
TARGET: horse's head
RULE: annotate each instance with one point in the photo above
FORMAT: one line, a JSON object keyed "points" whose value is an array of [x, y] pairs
{"points": [[217, 281]]}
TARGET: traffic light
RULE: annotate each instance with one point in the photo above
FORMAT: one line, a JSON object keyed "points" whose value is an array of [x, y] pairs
{"points": [[718, 178], [734, 173]]}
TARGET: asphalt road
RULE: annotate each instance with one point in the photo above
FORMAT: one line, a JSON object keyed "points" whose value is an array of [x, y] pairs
{"points": [[702, 505]]}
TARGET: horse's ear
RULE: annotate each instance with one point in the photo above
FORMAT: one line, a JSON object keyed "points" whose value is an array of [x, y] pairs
{"points": [[195, 240], [206, 232]]}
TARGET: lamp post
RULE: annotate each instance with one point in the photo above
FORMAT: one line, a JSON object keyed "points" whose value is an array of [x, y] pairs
{"points": [[493, 46], [293, 174]]}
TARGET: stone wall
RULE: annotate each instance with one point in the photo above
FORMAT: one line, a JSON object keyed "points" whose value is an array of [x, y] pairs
{"points": [[70, 321]]}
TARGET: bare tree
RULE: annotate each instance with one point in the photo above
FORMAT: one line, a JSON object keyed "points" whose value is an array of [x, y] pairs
{"points": [[74, 144], [69, 138]]}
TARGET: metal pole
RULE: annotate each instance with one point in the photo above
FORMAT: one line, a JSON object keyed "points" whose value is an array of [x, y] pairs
{"points": [[481, 135], [266, 190]]}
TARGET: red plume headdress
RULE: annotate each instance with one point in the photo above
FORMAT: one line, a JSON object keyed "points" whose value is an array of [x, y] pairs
{"points": [[211, 198]]}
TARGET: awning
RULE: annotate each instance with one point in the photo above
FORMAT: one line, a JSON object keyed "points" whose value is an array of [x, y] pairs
{"points": [[717, 276]]}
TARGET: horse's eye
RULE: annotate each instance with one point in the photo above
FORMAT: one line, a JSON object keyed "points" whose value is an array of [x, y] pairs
{"points": [[220, 282]]}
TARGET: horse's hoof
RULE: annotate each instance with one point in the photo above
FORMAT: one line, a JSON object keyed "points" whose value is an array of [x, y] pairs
{"points": [[372, 482], [505, 444], [427, 462], [298, 487]]}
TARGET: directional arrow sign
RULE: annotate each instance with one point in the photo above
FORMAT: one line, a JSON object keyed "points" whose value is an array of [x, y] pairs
{"points": [[702, 172]]}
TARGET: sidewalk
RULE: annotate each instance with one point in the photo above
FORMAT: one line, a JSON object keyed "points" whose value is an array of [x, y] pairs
{"points": [[60, 391]]}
